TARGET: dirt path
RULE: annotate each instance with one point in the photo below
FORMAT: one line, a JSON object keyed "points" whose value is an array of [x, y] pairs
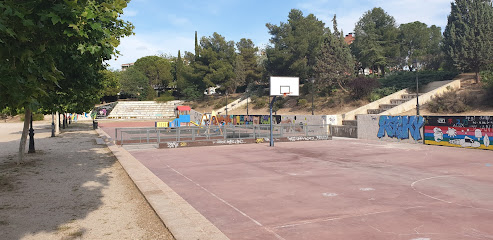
{"points": [[71, 188]]}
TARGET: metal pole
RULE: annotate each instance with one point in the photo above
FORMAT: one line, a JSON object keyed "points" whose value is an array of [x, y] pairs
{"points": [[417, 92], [312, 97], [226, 102], [247, 106], [270, 120], [31, 137]]}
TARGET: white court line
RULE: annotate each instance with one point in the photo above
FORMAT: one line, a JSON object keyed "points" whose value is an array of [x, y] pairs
{"points": [[227, 203], [444, 176], [339, 218]]}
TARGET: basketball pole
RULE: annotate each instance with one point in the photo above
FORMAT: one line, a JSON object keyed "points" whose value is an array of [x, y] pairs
{"points": [[271, 134]]}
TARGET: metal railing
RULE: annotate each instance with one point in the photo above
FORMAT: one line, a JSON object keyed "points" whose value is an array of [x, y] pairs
{"points": [[207, 133]]}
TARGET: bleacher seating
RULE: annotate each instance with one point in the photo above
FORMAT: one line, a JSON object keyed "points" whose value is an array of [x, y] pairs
{"points": [[144, 110]]}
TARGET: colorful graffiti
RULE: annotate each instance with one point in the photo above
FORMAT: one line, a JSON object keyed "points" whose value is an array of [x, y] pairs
{"points": [[400, 127], [460, 131]]}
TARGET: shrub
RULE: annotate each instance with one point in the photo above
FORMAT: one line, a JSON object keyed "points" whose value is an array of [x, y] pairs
{"points": [[361, 87], [302, 102], [487, 79], [450, 102], [165, 97], [405, 79], [259, 103], [381, 92], [36, 117]]}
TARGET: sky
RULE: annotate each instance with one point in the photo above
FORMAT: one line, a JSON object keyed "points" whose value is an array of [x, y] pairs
{"points": [[164, 27]]}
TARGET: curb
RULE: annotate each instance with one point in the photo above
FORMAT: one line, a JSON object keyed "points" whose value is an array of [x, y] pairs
{"points": [[182, 220]]}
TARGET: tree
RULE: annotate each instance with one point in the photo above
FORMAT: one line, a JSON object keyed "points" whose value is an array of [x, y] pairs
{"points": [[110, 83], [418, 42], [468, 36], [248, 52], [215, 63], [335, 64], [38, 37], [157, 70], [134, 82], [294, 45], [375, 44]]}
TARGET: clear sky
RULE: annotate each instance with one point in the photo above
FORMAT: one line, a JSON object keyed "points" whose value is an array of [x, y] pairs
{"points": [[164, 27]]}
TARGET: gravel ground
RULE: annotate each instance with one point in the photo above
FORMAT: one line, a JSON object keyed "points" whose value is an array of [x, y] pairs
{"points": [[71, 188]]}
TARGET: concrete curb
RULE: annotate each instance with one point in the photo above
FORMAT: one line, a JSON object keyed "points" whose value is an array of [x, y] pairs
{"points": [[182, 220]]}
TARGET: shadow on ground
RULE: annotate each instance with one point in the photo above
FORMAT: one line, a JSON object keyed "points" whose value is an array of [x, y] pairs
{"points": [[61, 183]]}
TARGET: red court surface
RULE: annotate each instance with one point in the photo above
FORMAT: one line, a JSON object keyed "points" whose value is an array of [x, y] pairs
{"points": [[336, 189]]}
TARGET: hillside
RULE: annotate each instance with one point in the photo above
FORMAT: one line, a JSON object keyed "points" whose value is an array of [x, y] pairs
{"points": [[340, 103]]}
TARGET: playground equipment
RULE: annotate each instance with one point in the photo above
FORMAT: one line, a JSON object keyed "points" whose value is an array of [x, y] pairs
{"points": [[182, 114]]}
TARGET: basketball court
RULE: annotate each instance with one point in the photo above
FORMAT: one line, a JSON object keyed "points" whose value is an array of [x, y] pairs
{"points": [[338, 189]]}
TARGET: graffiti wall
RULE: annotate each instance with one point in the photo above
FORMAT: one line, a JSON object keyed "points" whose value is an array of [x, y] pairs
{"points": [[459, 131], [391, 128], [278, 119]]}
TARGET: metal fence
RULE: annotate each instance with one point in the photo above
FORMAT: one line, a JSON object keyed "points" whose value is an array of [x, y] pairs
{"points": [[207, 133]]}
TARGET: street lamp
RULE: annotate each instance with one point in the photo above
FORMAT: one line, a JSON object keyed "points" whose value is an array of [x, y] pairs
{"points": [[226, 102], [31, 137], [415, 63], [312, 80], [247, 100]]}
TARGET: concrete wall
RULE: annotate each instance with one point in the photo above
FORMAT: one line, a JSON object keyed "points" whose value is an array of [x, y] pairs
{"points": [[391, 128], [344, 131], [460, 131], [409, 105]]}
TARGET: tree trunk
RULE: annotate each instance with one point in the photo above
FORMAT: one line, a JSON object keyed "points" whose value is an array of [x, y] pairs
{"points": [[22, 145], [478, 77], [342, 88]]}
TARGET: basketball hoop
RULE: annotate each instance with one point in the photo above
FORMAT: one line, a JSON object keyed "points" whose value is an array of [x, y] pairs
{"points": [[285, 94]]}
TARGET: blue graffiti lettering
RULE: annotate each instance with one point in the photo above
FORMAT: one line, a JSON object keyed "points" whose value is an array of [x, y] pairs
{"points": [[400, 127]]}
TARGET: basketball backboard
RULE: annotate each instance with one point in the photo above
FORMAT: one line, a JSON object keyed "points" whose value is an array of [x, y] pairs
{"points": [[284, 86]]}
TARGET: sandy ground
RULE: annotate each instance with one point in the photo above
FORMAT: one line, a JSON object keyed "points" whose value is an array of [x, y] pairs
{"points": [[71, 188]]}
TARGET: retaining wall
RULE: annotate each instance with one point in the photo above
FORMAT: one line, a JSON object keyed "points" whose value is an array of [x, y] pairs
{"points": [[391, 128]]}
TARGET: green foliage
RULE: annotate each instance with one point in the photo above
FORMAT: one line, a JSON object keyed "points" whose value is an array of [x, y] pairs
{"points": [[248, 57], [418, 41], [165, 97], [41, 40], [109, 82], [259, 102], [36, 117], [214, 65], [375, 43], [468, 37], [335, 64], [133, 82], [450, 102], [157, 70], [361, 87], [487, 79], [192, 93], [382, 92], [405, 79], [148, 94], [302, 103], [294, 45]]}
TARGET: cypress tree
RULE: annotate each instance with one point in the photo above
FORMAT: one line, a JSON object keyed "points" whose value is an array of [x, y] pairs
{"points": [[468, 37], [196, 46], [335, 63]]}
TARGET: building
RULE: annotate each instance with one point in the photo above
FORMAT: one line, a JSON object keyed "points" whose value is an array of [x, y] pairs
{"points": [[126, 65], [349, 38]]}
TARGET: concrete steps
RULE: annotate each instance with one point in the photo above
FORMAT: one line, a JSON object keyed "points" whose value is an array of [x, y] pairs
{"points": [[144, 110]]}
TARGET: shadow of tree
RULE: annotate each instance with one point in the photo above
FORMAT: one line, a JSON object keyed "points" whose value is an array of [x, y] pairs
{"points": [[57, 187]]}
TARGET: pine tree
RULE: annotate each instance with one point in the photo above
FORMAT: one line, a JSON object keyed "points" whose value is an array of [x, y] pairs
{"points": [[468, 37]]}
